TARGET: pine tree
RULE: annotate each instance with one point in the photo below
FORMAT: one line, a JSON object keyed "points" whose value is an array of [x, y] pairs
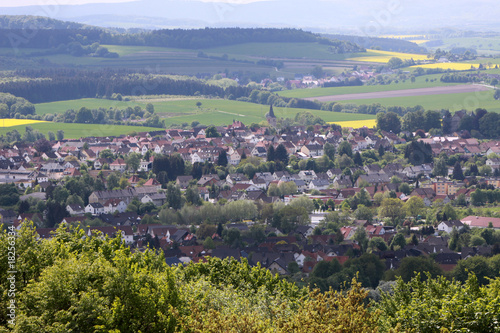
{"points": [[457, 172]]}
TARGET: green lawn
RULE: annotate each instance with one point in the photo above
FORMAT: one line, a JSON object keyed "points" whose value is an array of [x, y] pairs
{"points": [[76, 131], [452, 102], [317, 92]]}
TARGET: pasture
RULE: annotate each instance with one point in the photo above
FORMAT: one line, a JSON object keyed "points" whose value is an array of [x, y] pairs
{"points": [[453, 102], [212, 111], [76, 131], [420, 82]]}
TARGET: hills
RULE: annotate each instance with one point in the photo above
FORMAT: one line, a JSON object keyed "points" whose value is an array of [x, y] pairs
{"points": [[366, 17]]}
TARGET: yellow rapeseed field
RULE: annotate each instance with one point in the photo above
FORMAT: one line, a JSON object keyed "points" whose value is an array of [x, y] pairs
{"points": [[16, 122], [385, 56], [356, 123], [403, 36], [419, 41], [457, 66]]}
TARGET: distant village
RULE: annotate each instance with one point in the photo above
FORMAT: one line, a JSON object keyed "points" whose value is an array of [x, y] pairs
{"points": [[36, 174]]}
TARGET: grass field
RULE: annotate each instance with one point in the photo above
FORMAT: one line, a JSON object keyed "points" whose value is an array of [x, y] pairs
{"points": [[317, 92], [91, 103], [385, 56], [212, 111], [76, 131], [452, 102]]}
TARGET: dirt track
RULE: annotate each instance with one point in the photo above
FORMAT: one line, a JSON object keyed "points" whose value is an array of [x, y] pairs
{"points": [[403, 93]]}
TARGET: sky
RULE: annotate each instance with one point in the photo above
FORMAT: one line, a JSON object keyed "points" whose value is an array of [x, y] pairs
{"points": [[19, 3]]}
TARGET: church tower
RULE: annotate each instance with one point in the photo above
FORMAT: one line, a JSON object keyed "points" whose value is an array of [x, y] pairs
{"points": [[271, 118]]}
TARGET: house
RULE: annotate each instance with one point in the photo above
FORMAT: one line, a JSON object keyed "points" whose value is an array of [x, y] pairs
{"points": [[157, 198], [114, 205], [118, 165], [125, 232], [94, 209], [447, 226], [319, 184], [183, 181], [481, 222], [75, 209]]}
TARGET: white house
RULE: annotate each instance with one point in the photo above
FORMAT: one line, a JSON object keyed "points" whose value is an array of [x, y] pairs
{"points": [[94, 208], [447, 226]]}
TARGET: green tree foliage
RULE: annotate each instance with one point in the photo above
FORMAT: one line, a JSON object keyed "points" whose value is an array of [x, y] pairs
{"points": [[389, 122], [412, 266], [9, 195], [439, 305], [344, 148], [457, 172], [418, 153], [391, 208]]}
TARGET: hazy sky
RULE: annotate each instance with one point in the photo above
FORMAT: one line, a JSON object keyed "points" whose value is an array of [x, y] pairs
{"points": [[18, 3]]}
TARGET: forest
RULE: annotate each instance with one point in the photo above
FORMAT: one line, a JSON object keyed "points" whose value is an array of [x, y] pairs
{"points": [[97, 284]]}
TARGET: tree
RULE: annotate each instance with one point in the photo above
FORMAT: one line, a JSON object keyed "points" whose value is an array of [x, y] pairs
{"points": [[150, 108], [398, 240], [413, 121], [211, 132], [391, 208], [395, 62], [174, 198], [361, 238], [281, 154], [363, 213], [414, 206], [42, 145], [51, 135], [329, 150], [357, 159], [270, 154], [318, 72], [377, 244], [389, 122], [345, 148], [222, 160], [412, 266], [457, 172], [112, 181], [440, 167], [133, 161]]}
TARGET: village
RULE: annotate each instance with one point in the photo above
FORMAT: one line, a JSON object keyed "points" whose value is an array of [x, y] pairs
{"points": [[351, 193]]}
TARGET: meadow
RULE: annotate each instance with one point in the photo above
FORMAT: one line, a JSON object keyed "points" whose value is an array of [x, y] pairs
{"points": [[91, 103], [420, 82], [211, 111], [76, 131], [452, 102]]}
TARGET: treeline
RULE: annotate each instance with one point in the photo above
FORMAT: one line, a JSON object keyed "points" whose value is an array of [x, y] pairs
{"points": [[74, 84], [37, 22], [10, 106], [179, 38], [386, 44], [346, 82]]}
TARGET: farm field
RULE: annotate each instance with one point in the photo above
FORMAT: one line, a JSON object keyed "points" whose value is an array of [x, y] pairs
{"points": [[212, 111], [317, 92], [9, 122], [223, 112], [457, 89], [453, 102], [356, 123], [384, 56], [76, 131], [456, 66]]}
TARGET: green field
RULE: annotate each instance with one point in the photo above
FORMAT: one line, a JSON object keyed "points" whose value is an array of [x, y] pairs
{"points": [[76, 131], [91, 103], [212, 111], [452, 102], [317, 92], [483, 45]]}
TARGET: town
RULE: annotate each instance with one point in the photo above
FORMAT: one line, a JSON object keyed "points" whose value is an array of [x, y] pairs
{"points": [[284, 199]]}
